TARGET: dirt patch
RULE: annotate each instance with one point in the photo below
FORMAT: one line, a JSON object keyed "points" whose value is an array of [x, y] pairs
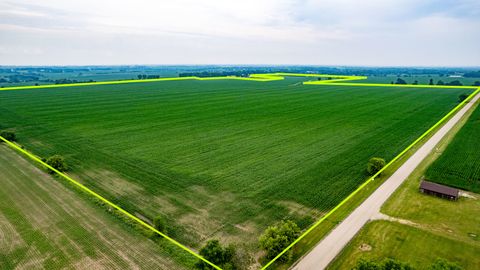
{"points": [[164, 205], [114, 183], [247, 227], [9, 237], [365, 247], [207, 220], [143, 218], [295, 208], [467, 195], [89, 263], [381, 216], [201, 223]]}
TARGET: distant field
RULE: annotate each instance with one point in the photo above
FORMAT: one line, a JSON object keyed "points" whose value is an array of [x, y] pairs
{"points": [[44, 225], [223, 159], [459, 165]]}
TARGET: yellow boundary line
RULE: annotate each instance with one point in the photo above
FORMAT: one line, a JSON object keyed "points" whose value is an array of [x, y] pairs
{"points": [[336, 80]]}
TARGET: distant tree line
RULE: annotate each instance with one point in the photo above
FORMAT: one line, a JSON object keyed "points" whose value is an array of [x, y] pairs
{"points": [[145, 76], [16, 78], [473, 74], [431, 82], [68, 81], [219, 73]]}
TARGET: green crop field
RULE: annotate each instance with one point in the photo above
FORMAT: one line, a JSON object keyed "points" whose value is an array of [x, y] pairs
{"points": [[44, 225], [459, 165], [222, 159]]}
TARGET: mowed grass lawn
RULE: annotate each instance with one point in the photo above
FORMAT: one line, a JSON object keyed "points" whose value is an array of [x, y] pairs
{"points": [[44, 225], [222, 158], [381, 239], [459, 165]]}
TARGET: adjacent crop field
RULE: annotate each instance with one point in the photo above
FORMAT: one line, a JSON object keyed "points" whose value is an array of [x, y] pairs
{"points": [[44, 225], [222, 159], [459, 165]]}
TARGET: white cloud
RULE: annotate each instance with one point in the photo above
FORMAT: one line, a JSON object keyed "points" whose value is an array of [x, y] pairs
{"points": [[247, 31]]}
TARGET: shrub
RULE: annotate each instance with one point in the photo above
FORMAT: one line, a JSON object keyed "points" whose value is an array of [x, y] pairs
{"points": [[276, 238], [387, 264], [442, 264], [159, 224], [57, 162], [216, 254], [8, 135], [462, 97], [374, 165], [455, 83], [400, 81], [363, 264]]}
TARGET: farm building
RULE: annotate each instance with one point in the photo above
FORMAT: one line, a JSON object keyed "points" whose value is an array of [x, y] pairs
{"points": [[439, 190]]}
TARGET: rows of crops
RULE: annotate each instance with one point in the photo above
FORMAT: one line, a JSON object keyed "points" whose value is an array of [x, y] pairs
{"points": [[44, 225], [222, 158], [459, 165]]}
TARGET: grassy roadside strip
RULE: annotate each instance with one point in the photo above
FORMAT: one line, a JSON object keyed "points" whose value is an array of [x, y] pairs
{"points": [[308, 240], [107, 203]]}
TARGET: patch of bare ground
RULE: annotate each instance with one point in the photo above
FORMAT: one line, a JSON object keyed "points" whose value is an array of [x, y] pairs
{"points": [[33, 260], [297, 209], [365, 247], [9, 237], [382, 216], [468, 195], [206, 219], [114, 183]]}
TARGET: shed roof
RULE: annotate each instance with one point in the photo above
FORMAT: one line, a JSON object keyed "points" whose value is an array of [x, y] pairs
{"points": [[427, 185]]}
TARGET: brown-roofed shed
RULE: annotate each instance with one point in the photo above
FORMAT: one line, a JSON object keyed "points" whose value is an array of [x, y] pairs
{"points": [[439, 190]]}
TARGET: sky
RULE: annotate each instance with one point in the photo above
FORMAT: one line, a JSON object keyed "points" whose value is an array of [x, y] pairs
{"points": [[277, 32]]}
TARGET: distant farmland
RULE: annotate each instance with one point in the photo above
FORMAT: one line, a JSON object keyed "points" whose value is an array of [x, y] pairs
{"points": [[459, 165], [222, 159]]}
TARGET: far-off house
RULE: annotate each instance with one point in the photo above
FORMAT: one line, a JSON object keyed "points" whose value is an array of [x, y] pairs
{"points": [[439, 190]]}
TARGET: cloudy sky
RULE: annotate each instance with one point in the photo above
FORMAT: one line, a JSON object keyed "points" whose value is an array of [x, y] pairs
{"points": [[317, 32]]}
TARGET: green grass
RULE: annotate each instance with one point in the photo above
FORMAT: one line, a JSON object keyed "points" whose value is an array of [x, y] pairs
{"points": [[222, 158], [405, 243], [44, 225], [459, 165]]}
